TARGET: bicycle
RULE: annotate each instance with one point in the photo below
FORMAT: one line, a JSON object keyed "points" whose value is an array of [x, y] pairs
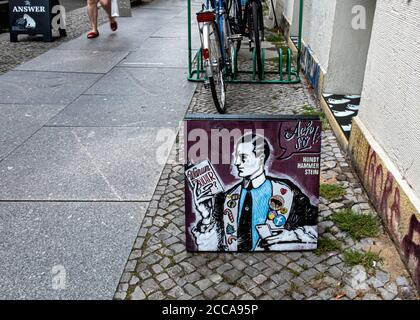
{"points": [[247, 19], [218, 45]]}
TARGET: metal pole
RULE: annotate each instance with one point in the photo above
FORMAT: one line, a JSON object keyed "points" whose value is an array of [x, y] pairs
{"points": [[235, 63], [254, 63], [262, 62], [189, 38], [281, 63], [274, 13], [198, 58], [299, 45]]}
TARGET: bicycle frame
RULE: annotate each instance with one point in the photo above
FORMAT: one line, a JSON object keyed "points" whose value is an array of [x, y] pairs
{"points": [[244, 16], [286, 75], [219, 21], [219, 17], [248, 14]]}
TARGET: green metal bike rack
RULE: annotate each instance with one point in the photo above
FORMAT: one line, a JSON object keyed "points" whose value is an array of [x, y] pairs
{"points": [[287, 74]]}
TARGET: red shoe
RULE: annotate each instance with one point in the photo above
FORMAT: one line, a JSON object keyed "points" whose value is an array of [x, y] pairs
{"points": [[93, 34], [114, 25]]}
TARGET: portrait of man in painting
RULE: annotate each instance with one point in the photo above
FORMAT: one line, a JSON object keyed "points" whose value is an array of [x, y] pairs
{"points": [[261, 212]]}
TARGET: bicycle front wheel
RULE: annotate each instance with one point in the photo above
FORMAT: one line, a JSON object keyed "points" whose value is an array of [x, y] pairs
{"points": [[216, 77]]}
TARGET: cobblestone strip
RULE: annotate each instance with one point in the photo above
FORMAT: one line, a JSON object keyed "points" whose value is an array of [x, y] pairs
{"points": [[160, 268]]}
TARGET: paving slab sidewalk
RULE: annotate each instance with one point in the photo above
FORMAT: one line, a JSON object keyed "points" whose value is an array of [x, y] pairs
{"points": [[78, 163]]}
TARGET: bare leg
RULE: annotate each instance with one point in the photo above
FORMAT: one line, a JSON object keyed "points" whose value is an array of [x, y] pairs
{"points": [[106, 4], [92, 10]]}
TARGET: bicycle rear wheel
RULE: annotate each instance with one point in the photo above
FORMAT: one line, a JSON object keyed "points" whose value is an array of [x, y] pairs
{"points": [[235, 17], [230, 47], [256, 26], [216, 77]]}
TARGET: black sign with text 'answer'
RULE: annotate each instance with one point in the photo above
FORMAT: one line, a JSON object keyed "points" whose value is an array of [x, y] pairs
{"points": [[32, 17]]}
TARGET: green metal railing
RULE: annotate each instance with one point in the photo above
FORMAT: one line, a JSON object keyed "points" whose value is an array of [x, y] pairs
{"points": [[286, 73]]}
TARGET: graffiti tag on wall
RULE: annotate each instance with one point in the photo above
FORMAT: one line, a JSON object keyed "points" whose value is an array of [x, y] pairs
{"points": [[310, 66], [386, 196]]}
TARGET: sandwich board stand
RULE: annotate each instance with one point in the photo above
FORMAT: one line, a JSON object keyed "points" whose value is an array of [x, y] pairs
{"points": [[121, 8], [4, 14], [124, 8], [32, 17]]}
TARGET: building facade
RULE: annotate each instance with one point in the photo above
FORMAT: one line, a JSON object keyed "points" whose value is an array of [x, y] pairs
{"points": [[362, 58]]}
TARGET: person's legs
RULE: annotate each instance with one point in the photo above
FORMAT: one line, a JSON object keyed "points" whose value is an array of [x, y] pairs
{"points": [[106, 4], [92, 9]]}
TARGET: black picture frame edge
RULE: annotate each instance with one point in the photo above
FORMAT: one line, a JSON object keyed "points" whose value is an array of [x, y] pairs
{"points": [[249, 117]]}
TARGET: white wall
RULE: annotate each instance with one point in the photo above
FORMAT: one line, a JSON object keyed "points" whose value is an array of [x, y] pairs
{"points": [[278, 8], [390, 106], [318, 20], [294, 29], [349, 48], [291, 13], [288, 10]]}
